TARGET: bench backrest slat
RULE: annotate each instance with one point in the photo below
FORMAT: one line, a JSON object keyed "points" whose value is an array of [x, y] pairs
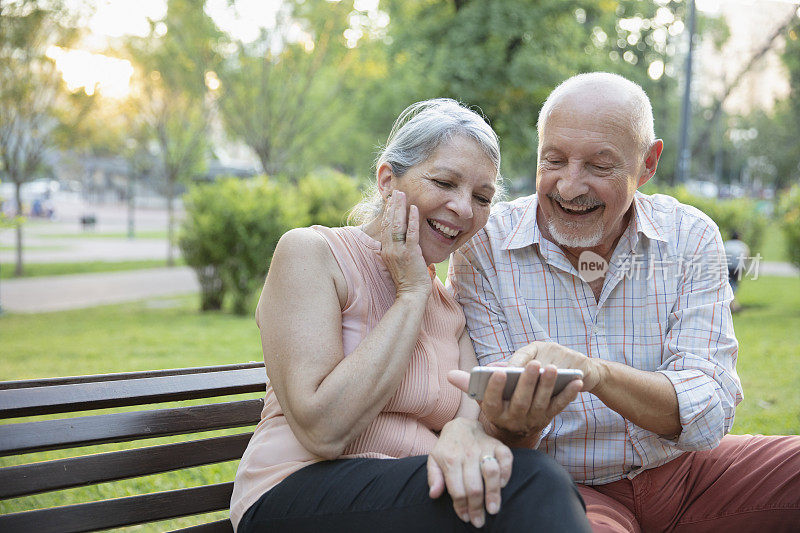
{"points": [[116, 427], [22, 480], [118, 393], [68, 380], [120, 512]]}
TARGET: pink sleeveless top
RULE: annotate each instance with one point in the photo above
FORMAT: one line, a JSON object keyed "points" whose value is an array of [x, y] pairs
{"points": [[409, 422]]}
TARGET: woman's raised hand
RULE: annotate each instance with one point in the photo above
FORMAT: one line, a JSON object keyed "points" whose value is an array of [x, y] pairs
{"points": [[400, 248]]}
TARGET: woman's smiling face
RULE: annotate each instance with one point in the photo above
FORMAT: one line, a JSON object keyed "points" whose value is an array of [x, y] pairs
{"points": [[453, 190]]}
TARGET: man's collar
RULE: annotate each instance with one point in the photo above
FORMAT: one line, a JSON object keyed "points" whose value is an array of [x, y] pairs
{"points": [[526, 231], [643, 218]]}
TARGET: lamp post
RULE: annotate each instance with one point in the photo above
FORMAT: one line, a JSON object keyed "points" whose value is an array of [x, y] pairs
{"points": [[684, 148]]}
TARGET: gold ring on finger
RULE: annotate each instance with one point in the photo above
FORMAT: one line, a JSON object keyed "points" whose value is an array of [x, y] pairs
{"points": [[399, 237]]}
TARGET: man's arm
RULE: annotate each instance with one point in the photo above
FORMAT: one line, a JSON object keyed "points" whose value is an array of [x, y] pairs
{"points": [[700, 348], [647, 399], [690, 399]]}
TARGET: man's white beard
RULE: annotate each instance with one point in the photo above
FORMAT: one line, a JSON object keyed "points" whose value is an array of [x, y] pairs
{"points": [[574, 239]]}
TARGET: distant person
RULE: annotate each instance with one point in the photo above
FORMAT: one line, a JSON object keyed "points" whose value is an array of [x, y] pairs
{"points": [[361, 431], [736, 254], [647, 439], [37, 209]]}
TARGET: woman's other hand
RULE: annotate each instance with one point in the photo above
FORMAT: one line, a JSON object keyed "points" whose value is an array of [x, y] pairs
{"points": [[400, 248], [472, 466]]}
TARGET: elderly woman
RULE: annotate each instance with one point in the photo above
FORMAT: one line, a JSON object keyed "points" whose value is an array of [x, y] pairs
{"points": [[361, 430]]}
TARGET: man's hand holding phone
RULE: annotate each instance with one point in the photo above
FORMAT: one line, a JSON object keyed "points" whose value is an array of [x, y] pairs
{"points": [[520, 420]]}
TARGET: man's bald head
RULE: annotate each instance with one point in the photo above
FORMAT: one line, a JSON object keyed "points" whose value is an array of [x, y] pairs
{"points": [[606, 89]]}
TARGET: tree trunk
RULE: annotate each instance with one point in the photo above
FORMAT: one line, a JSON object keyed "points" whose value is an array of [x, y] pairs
{"points": [[264, 159], [131, 208], [170, 220], [212, 290], [18, 195]]}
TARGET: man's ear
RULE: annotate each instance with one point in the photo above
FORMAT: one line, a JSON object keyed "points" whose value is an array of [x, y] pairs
{"points": [[651, 162], [385, 179]]}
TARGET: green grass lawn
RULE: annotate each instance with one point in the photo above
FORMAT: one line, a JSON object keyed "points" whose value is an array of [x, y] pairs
{"points": [[165, 333], [768, 329], [58, 269], [170, 333], [773, 247]]}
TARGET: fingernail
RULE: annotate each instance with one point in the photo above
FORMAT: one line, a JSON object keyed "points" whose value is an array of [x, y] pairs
{"points": [[464, 517], [492, 508], [479, 521]]}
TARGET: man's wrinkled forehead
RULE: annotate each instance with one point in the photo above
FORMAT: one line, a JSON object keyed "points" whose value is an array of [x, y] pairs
{"points": [[581, 106]]}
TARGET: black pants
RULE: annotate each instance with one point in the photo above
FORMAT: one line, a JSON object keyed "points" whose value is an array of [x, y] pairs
{"points": [[391, 495]]}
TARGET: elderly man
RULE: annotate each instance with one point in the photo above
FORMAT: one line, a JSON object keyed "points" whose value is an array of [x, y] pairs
{"points": [[632, 289]]}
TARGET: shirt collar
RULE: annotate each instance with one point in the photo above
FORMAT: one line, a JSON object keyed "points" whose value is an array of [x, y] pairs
{"points": [[644, 220], [526, 231]]}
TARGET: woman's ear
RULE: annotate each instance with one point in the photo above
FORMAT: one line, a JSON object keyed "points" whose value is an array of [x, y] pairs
{"points": [[385, 179]]}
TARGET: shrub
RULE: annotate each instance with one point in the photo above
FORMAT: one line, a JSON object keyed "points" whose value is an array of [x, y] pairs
{"points": [[229, 234], [327, 195], [790, 222], [232, 227], [739, 215]]}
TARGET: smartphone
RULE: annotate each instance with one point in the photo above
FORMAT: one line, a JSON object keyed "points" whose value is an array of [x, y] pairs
{"points": [[479, 379]]}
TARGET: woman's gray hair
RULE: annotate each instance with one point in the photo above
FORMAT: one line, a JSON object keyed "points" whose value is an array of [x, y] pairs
{"points": [[416, 134]]}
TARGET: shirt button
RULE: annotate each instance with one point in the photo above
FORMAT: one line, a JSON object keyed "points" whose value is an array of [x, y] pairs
{"points": [[595, 330]]}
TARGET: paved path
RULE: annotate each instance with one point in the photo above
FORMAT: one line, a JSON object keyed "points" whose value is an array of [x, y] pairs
{"points": [[75, 291], [55, 293], [69, 250], [51, 241], [774, 268]]}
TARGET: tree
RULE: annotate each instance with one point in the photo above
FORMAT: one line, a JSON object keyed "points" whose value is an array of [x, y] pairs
{"points": [[766, 142], [505, 57], [282, 93], [702, 140], [175, 60], [784, 148], [29, 90]]}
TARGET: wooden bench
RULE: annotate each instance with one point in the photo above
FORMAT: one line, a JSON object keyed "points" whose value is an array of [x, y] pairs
{"points": [[83, 393]]}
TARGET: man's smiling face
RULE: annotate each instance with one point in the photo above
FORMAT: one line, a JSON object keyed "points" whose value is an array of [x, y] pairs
{"points": [[589, 168]]}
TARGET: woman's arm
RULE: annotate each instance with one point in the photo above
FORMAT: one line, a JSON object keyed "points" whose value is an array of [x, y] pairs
{"points": [[329, 399]]}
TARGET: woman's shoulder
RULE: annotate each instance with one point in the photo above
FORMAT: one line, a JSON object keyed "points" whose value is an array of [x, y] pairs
{"points": [[305, 244], [305, 253], [301, 237]]}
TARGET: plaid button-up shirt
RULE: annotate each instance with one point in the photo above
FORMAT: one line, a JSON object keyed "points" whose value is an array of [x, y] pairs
{"points": [[664, 306]]}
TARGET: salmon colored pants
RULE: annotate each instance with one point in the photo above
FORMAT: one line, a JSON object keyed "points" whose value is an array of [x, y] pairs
{"points": [[747, 484]]}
